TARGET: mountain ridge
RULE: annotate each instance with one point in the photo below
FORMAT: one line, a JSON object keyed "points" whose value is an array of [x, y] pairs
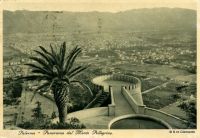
{"points": [[161, 19]]}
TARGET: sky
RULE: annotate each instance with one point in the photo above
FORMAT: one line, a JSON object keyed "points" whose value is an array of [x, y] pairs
{"points": [[99, 5]]}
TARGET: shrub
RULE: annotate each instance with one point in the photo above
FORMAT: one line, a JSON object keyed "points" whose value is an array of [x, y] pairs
{"points": [[53, 115], [26, 125], [72, 123], [11, 101], [43, 121], [13, 89], [191, 110], [175, 96]]}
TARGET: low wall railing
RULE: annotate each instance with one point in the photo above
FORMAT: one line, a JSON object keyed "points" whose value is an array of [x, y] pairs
{"points": [[119, 77], [142, 109], [138, 116], [111, 107], [135, 106], [172, 120]]}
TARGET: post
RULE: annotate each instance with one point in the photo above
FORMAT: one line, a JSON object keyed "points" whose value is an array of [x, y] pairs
{"points": [[110, 88], [111, 107]]}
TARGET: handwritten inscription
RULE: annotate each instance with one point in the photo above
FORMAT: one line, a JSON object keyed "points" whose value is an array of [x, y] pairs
{"points": [[67, 132], [23, 132], [100, 132]]}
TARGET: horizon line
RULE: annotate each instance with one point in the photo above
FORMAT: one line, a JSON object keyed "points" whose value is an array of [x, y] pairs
{"points": [[100, 11]]}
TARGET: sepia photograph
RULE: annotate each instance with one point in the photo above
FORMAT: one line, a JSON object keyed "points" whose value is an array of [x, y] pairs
{"points": [[130, 66]]}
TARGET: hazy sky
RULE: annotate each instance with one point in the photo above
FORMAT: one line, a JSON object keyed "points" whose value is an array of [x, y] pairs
{"points": [[101, 5]]}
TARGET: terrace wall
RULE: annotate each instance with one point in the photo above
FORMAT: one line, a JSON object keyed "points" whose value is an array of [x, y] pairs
{"points": [[134, 89], [138, 108], [175, 122], [87, 113], [111, 107]]}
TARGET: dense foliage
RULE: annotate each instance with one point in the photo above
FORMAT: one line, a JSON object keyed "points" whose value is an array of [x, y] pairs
{"points": [[43, 121], [12, 91], [191, 110]]}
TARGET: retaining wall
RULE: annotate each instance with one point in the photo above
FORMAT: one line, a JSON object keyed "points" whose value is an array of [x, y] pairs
{"points": [[111, 107], [118, 77], [87, 113], [138, 108], [175, 122], [133, 86], [138, 116]]}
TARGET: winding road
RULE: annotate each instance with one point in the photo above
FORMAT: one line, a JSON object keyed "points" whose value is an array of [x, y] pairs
{"points": [[156, 87]]}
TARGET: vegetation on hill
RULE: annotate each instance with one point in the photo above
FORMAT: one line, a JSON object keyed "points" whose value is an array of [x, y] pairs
{"points": [[12, 91], [166, 19], [43, 121]]}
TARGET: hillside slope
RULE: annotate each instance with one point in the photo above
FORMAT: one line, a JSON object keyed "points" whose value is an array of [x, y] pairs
{"points": [[161, 19]]}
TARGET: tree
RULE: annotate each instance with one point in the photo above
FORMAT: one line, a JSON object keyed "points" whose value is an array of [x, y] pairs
{"points": [[56, 72], [16, 89], [37, 112], [191, 110], [12, 91]]}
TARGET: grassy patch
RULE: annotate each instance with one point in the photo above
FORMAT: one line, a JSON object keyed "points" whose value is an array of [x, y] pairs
{"points": [[160, 98], [150, 83]]}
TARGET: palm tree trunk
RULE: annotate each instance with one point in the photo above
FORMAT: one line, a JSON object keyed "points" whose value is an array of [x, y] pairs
{"points": [[62, 110], [60, 97]]}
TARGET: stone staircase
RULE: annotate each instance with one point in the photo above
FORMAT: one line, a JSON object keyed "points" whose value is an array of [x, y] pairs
{"points": [[99, 100]]}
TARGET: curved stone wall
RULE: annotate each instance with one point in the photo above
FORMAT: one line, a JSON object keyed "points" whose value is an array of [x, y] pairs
{"points": [[175, 122], [133, 85], [157, 120], [118, 77]]}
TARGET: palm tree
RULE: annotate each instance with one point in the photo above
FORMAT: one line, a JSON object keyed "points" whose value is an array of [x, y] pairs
{"points": [[54, 69]]}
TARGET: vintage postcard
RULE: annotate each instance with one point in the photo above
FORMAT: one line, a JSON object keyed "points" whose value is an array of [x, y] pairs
{"points": [[99, 68]]}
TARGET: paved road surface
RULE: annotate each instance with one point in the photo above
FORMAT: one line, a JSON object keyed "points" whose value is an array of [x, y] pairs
{"points": [[122, 107], [156, 87]]}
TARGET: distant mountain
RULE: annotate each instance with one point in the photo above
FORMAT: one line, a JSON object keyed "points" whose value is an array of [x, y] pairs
{"points": [[161, 19]]}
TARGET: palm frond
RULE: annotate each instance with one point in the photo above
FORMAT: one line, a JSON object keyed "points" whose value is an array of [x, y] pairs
{"points": [[68, 63], [44, 50], [39, 88], [57, 70], [66, 79], [42, 73], [54, 54], [48, 53], [45, 56], [33, 77], [41, 62], [73, 58], [82, 84], [62, 54], [42, 70], [77, 71]]}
